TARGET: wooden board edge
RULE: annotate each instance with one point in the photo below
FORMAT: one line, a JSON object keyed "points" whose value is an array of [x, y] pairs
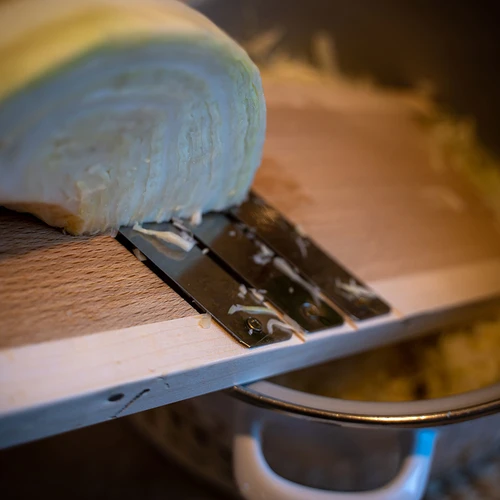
{"points": [[57, 386]]}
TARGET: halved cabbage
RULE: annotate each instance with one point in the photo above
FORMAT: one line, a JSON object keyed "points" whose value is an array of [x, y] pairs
{"points": [[115, 112]]}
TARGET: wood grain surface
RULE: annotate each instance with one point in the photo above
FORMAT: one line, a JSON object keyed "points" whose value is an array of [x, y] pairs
{"points": [[54, 285], [356, 171], [363, 185]]}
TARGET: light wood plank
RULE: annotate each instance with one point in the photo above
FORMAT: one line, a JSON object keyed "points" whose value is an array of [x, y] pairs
{"points": [[65, 384], [56, 286], [356, 174], [82, 319], [363, 185]]}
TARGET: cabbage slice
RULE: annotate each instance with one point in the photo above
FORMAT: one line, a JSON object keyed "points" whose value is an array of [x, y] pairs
{"points": [[116, 112]]}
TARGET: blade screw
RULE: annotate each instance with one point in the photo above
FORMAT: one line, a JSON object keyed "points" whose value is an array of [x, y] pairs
{"points": [[254, 325]]}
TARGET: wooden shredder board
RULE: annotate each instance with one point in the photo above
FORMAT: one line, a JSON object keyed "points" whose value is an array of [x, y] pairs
{"points": [[82, 320]]}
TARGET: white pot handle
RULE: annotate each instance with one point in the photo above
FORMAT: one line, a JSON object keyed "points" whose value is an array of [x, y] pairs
{"points": [[256, 480]]}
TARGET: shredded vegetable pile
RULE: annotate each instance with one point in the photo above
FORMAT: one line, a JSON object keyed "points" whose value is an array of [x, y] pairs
{"points": [[439, 365]]}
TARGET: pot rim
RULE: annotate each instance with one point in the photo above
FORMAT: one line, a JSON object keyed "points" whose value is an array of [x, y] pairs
{"points": [[409, 414]]}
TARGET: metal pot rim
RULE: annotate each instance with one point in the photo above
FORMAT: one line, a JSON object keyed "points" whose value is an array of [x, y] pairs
{"points": [[410, 414]]}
